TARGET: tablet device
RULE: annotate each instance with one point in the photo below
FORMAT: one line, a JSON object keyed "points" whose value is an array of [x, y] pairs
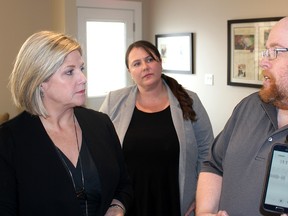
{"points": [[275, 193]]}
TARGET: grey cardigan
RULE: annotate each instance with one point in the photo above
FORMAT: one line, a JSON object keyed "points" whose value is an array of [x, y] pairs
{"points": [[194, 138]]}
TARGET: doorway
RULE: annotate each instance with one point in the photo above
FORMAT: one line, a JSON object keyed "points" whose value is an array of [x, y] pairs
{"points": [[105, 30]]}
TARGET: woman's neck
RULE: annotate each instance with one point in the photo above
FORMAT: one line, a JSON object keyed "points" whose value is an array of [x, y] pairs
{"points": [[153, 100]]}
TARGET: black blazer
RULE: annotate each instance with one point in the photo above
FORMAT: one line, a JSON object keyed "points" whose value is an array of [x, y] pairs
{"points": [[33, 180]]}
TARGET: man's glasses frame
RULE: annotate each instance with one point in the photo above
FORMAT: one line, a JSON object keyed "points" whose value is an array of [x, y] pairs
{"points": [[272, 53]]}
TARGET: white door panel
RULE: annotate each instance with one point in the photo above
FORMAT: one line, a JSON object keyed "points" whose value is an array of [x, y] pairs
{"points": [[110, 29]]}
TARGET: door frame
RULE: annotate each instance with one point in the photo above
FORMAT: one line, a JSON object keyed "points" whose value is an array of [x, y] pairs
{"points": [[114, 4], [135, 7]]}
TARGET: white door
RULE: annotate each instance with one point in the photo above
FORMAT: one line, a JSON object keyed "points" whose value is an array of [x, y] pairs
{"points": [[105, 30]]}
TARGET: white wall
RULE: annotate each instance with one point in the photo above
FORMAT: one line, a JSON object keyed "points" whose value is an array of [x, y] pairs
{"points": [[18, 20], [208, 20]]}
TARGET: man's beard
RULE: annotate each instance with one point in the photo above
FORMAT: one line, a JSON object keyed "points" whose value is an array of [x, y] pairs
{"points": [[274, 95]]}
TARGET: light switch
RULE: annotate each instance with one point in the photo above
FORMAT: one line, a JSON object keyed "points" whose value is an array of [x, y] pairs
{"points": [[209, 79]]}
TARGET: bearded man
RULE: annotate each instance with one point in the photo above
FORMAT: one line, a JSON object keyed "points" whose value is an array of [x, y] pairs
{"points": [[232, 178]]}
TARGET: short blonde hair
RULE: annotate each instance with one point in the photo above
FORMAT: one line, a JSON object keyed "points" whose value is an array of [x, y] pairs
{"points": [[38, 59]]}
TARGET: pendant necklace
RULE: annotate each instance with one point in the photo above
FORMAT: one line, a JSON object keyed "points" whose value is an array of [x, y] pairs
{"points": [[80, 193]]}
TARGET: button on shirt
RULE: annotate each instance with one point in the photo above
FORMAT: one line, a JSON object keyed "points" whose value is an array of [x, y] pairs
{"points": [[240, 152]]}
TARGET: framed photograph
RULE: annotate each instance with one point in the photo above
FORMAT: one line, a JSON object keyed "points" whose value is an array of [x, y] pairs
{"points": [[246, 40], [176, 52]]}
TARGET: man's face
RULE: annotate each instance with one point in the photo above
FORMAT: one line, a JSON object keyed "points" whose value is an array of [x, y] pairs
{"points": [[275, 71]]}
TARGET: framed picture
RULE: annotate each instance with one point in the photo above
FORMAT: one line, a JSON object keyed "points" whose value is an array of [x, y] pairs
{"points": [[246, 40], [176, 52]]}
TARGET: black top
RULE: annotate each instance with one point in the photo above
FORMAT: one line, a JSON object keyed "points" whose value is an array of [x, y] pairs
{"points": [[33, 179], [85, 165], [151, 151]]}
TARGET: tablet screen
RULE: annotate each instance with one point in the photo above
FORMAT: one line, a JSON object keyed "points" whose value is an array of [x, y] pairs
{"points": [[277, 188]]}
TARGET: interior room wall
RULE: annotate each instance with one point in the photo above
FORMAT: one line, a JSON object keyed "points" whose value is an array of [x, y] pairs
{"points": [[208, 20], [18, 20]]}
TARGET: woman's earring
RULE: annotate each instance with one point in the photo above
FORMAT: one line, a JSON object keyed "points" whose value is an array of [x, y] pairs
{"points": [[41, 92]]}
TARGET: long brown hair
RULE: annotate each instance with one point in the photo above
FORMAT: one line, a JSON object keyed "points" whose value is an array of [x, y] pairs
{"points": [[186, 102]]}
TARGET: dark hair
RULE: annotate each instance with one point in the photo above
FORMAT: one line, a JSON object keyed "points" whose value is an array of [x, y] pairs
{"points": [[147, 46], [186, 102]]}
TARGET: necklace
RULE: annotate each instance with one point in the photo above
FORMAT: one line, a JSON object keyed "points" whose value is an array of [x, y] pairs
{"points": [[80, 193]]}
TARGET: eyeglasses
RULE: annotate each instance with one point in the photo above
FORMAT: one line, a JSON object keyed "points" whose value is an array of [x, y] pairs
{"points": [[272, 53]]}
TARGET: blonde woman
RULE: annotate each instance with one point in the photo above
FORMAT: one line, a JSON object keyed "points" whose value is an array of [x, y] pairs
{"points": [[56, 157]]}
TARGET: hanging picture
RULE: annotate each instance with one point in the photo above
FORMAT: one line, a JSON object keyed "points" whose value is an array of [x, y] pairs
{"points": [[176, 52], [246, 40]]}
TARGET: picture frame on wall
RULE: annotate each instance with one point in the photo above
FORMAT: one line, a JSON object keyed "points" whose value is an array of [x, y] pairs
{"points": [[246, 40], [176, 51]]}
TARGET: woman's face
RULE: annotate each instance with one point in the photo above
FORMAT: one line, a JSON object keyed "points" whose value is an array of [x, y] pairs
{"points": [[66, 87], [145, 71]]}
